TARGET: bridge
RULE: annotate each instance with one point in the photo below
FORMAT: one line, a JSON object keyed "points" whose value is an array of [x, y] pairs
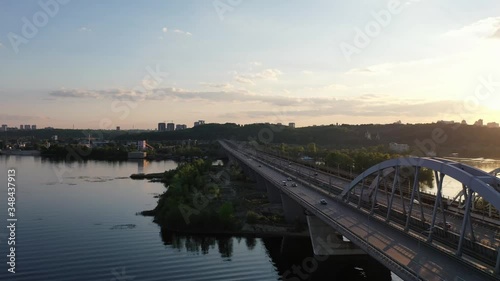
{"points": [[414, 237]]}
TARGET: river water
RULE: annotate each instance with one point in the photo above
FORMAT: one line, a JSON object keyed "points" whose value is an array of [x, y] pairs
{"points": [[451, 187], [78, 222]]}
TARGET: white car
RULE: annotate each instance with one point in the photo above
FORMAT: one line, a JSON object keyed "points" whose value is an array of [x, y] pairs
{"points": [[294, 185]]}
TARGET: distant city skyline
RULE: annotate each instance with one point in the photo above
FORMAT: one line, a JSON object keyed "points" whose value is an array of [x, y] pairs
{"points": [[102, 64], [164, 126]]}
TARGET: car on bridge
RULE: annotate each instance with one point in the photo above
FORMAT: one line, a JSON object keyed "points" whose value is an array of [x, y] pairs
{"points": [[289, 179], [294, 184], [322, 201], [284, 183]]}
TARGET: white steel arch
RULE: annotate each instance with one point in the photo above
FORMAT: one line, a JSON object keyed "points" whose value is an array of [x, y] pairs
{"points": [[483, 183]]}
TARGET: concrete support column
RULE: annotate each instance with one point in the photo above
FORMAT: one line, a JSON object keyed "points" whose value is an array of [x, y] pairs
{"points": [[292, 210], [261, 183], [273, 193], [327, 242]]}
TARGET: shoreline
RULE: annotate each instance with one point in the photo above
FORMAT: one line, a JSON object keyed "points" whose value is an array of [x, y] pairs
{"points": [[239, 233]]}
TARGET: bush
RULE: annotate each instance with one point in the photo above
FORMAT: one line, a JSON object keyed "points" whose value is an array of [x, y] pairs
{"points": [[252, 217]]}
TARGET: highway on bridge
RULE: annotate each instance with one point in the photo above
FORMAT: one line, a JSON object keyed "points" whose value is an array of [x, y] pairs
{"points": [[403, 253], [486, 232]]}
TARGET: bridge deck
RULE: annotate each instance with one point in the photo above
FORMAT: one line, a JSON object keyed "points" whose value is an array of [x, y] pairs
{"points": [[397, 250]]}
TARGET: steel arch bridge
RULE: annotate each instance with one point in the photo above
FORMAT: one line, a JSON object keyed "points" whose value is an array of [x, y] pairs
{"points": [[475, 184], [495, 172]]}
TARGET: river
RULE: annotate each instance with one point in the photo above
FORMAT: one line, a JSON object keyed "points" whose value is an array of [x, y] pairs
{"points": [[451, 187], [78, 222]]}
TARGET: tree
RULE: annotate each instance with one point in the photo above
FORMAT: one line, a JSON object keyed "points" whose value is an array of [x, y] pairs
{"points": [[339, 158], [311, 148]]}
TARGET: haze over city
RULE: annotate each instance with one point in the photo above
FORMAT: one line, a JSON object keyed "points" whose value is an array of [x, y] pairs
{"points": [[134, 65]]}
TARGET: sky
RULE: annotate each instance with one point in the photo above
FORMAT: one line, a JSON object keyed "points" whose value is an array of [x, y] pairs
{"points": [[101, 64]]}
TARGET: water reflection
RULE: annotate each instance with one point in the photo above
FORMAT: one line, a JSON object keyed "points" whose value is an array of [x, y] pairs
{"points": [[292, 257], [141, 164]]}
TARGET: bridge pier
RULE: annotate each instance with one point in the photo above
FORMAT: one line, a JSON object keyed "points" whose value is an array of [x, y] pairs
{"points": [[327, 242], [260, 183], [273, 193], [292, 210]]}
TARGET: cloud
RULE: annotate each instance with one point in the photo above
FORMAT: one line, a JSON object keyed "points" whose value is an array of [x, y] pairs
{"points": [[495, 35], [307, 72], [365, 70], [369, 105], [267, 74], [164, 30], [182, 32], [389, 67], [371, 102], [170, 93], [255, 63], [243, 80], [1, 45], [356, 107], [218, 85], [485, 28], [84, 29]]}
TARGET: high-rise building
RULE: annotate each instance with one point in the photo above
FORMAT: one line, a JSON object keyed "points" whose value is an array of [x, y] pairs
{"points": [[118, 128], [180, 127], [27, 127], [479, 122], [33, 127], [291, 125], [493, 125], [170, 127], [141, 145], [199, 122], [21, 127], [162, 127], [4, 128]]}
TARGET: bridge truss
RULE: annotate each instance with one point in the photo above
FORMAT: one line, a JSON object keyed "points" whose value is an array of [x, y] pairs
{"points": [[408, 205]]}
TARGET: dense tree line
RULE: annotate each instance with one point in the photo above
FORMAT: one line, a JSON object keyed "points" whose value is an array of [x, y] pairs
{"points": [[192, 202], [444, 139]]}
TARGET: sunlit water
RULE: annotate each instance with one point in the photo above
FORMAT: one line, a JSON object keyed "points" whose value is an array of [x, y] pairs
{"points": [[451, 187], [79, 222]]}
